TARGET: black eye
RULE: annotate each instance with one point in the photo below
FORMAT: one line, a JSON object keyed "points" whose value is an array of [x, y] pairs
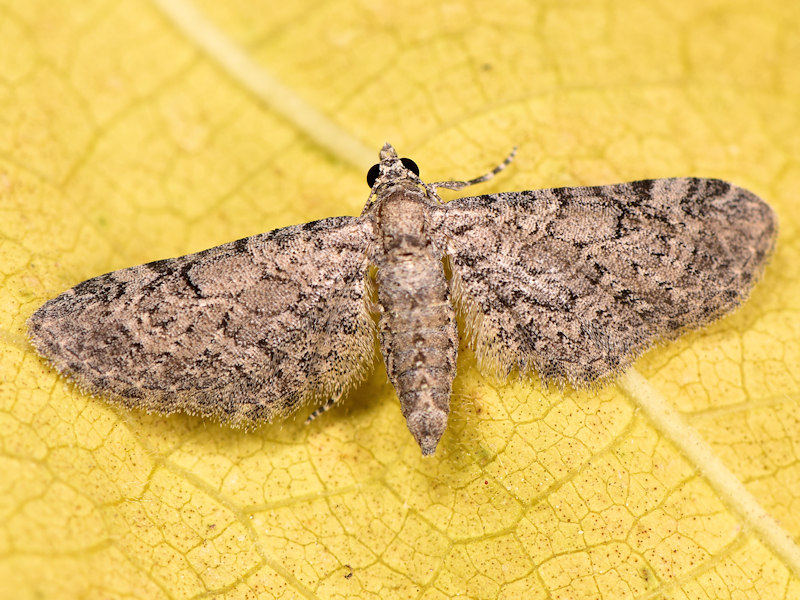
{"points": [[410, 165], [372, 174]]}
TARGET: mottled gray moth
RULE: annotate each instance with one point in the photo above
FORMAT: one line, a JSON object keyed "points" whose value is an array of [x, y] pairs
{"points": [[571, 283]]}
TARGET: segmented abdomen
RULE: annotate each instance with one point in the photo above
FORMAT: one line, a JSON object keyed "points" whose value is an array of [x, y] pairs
{"points": [[419, 342]]}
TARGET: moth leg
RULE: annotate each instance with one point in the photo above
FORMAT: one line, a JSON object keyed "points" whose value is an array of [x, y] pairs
{"points": [[330, 402]]}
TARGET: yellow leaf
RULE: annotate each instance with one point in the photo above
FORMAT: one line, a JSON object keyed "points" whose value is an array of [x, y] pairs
{"points": [[133, 131]]}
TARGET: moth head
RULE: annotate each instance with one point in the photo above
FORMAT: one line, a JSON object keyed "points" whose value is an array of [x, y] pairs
{"points": [[392, 168]]}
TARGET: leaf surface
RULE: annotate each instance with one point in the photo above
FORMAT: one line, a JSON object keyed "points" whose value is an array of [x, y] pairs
{"points": [[131, 132]]}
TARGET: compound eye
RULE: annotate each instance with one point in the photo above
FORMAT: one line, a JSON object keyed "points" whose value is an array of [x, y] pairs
{"points": [[372, 174], [410, 165]]}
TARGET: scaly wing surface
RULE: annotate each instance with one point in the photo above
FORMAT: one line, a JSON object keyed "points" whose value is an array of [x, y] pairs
{"points": [[242, 332], [575, 283]]}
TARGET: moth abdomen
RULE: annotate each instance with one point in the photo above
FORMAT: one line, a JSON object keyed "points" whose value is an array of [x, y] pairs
{"points": [[419, 340]]}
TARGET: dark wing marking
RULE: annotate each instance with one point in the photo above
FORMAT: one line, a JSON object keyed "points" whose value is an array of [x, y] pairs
{"points": [[577, 282], [242, 332]]}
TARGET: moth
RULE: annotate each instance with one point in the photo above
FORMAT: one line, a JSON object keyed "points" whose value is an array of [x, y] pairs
{"points": [[571, 283]]}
